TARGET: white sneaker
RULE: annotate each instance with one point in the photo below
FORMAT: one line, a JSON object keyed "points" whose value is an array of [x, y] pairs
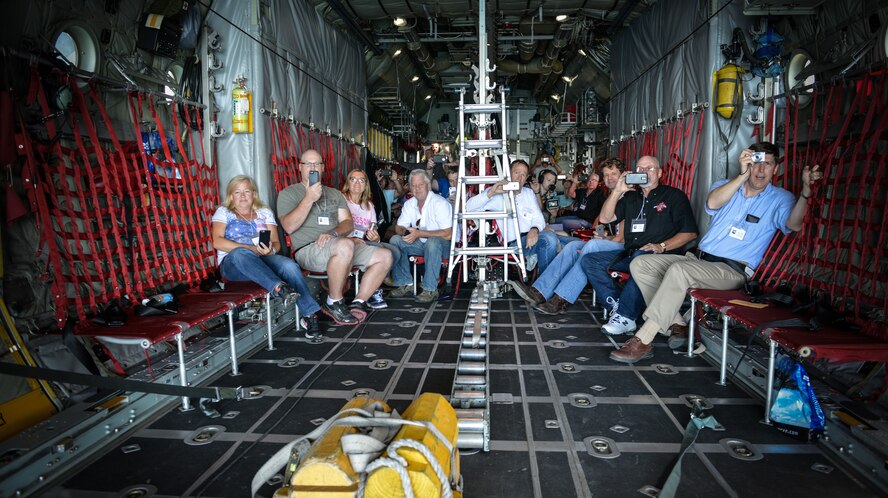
{"points": [[618, 324]]}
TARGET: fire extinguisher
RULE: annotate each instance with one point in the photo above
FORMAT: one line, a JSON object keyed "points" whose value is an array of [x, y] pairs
{"points": [[728, 89], [241, 107]]}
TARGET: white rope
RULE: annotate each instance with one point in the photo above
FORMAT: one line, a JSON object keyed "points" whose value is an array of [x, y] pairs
{"points": [[446, 492]]}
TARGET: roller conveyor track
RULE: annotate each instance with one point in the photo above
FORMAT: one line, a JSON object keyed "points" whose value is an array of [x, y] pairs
{"points": [[471, 383]]}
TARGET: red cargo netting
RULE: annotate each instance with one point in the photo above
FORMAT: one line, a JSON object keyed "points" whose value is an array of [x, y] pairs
{"points": [[110, 226], [841, 248], [290, 140], [676, 144]]}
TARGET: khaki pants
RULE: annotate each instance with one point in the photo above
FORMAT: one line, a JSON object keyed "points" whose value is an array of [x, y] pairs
{"points": [[664, 279]]}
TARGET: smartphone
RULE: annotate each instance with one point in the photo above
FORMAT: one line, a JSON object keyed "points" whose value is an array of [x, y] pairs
{"points": [[511, 186], [265, 237], [385, 173], [758, 157], [561, 177], [312, 177], [599, 229], [636, 179]]}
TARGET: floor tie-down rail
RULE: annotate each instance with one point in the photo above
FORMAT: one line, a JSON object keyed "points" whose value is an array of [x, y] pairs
{"points": [[471, 384]]}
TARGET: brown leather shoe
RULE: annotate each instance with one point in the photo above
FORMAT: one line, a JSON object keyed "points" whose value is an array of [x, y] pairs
{"points": [[678, 336], [528, 293], [633, 350], [555, 306]]}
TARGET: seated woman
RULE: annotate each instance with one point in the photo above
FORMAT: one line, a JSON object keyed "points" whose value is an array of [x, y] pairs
{"points": [[240, 256], [363, 212]]}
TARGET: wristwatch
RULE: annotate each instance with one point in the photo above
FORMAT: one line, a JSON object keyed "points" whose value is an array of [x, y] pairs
{"points": [[663, 246], [333, 233]]}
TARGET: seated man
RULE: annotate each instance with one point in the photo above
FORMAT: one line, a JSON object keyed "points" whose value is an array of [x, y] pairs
{"points": [[562, 282], [587, 205], [539, 243], [658, 219], [746, 212], [319, 223], [423, 229]]}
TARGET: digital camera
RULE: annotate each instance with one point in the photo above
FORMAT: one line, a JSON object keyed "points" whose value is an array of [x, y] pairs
{"points": [[636, 179], [385, 173], [758, 157]]}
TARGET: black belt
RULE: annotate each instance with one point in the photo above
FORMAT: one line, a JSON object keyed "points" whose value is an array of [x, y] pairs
{"points": [[735, 265]]}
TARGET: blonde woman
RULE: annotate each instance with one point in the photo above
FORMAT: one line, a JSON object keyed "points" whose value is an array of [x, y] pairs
{"points": [[363, 212], [241, 255]]}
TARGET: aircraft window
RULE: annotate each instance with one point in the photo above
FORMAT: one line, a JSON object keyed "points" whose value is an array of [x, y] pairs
{"points": [[174, 74], [77, 45], [66, 46], [799, 61]]}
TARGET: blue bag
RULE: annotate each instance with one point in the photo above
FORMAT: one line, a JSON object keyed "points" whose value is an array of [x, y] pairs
{"points": [[795, 410]]}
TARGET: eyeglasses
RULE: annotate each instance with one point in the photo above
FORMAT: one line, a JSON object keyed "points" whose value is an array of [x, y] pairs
{"points": [[313, 165], [649, 168], [357, 179]]}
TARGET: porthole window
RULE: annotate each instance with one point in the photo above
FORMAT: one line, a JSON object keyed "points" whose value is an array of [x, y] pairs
{"points": [[77, 44], [797, 62]]}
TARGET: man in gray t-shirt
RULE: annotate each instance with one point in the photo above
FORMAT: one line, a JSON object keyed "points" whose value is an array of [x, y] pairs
{"points": [[319, 223]]}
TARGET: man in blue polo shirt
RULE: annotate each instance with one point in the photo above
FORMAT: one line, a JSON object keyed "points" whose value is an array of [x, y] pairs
{"points": [[746, 212]]}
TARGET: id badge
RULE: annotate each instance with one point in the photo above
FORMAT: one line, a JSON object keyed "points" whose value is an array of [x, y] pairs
{"points": [[582, 206], [638, 226], [323, 220], [737, 233]]}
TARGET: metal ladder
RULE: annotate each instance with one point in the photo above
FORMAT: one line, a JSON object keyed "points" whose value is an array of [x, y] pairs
{"points": [[471, 386], [482, 148]]}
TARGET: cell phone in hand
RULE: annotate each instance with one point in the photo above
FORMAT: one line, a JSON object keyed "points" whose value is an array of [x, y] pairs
{"points": [[265, 238], [636, 179], [312, 177], [599, 229]]}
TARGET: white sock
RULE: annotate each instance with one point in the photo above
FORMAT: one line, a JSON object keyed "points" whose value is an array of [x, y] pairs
{"points": [[330, 301]]}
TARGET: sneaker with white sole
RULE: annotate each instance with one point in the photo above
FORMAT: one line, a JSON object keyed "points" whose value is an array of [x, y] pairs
{"points": [[309, 326], [618, 324], [376, 301]]}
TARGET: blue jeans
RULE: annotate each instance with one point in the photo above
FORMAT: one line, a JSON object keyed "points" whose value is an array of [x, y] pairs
{"points": [[434, 250], [571, 222], [242, 265], [564, 276], [545, 248], [596, 268]]}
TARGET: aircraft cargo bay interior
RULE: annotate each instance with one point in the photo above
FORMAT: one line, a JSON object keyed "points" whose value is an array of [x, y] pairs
{"points": [[498, 248]]}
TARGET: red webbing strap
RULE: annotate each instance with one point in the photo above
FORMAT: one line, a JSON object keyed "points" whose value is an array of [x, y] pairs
{"points": [[841, 137], [200, 213], [44, 222], [155, 270], [89, 259], [120, 165], [107, 204], [182, 211], [59, 173], [276, 164], [689, 182]]}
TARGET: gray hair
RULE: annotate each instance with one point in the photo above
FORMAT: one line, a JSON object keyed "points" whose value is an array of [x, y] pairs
{"points": [[420, 172]]}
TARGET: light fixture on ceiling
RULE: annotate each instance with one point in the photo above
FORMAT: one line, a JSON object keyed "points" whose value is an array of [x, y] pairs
{"points": [[556, 97], [568, 79], [429, 96], [400, 21], [397, 53], [561, 17], [582, 52], [414, 79]]}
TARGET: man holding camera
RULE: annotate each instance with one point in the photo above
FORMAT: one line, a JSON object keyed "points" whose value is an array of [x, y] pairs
{"points": [[536, 242], [423, 229], [658, 219], [319, 223], [746, 212], [563, 280]]}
